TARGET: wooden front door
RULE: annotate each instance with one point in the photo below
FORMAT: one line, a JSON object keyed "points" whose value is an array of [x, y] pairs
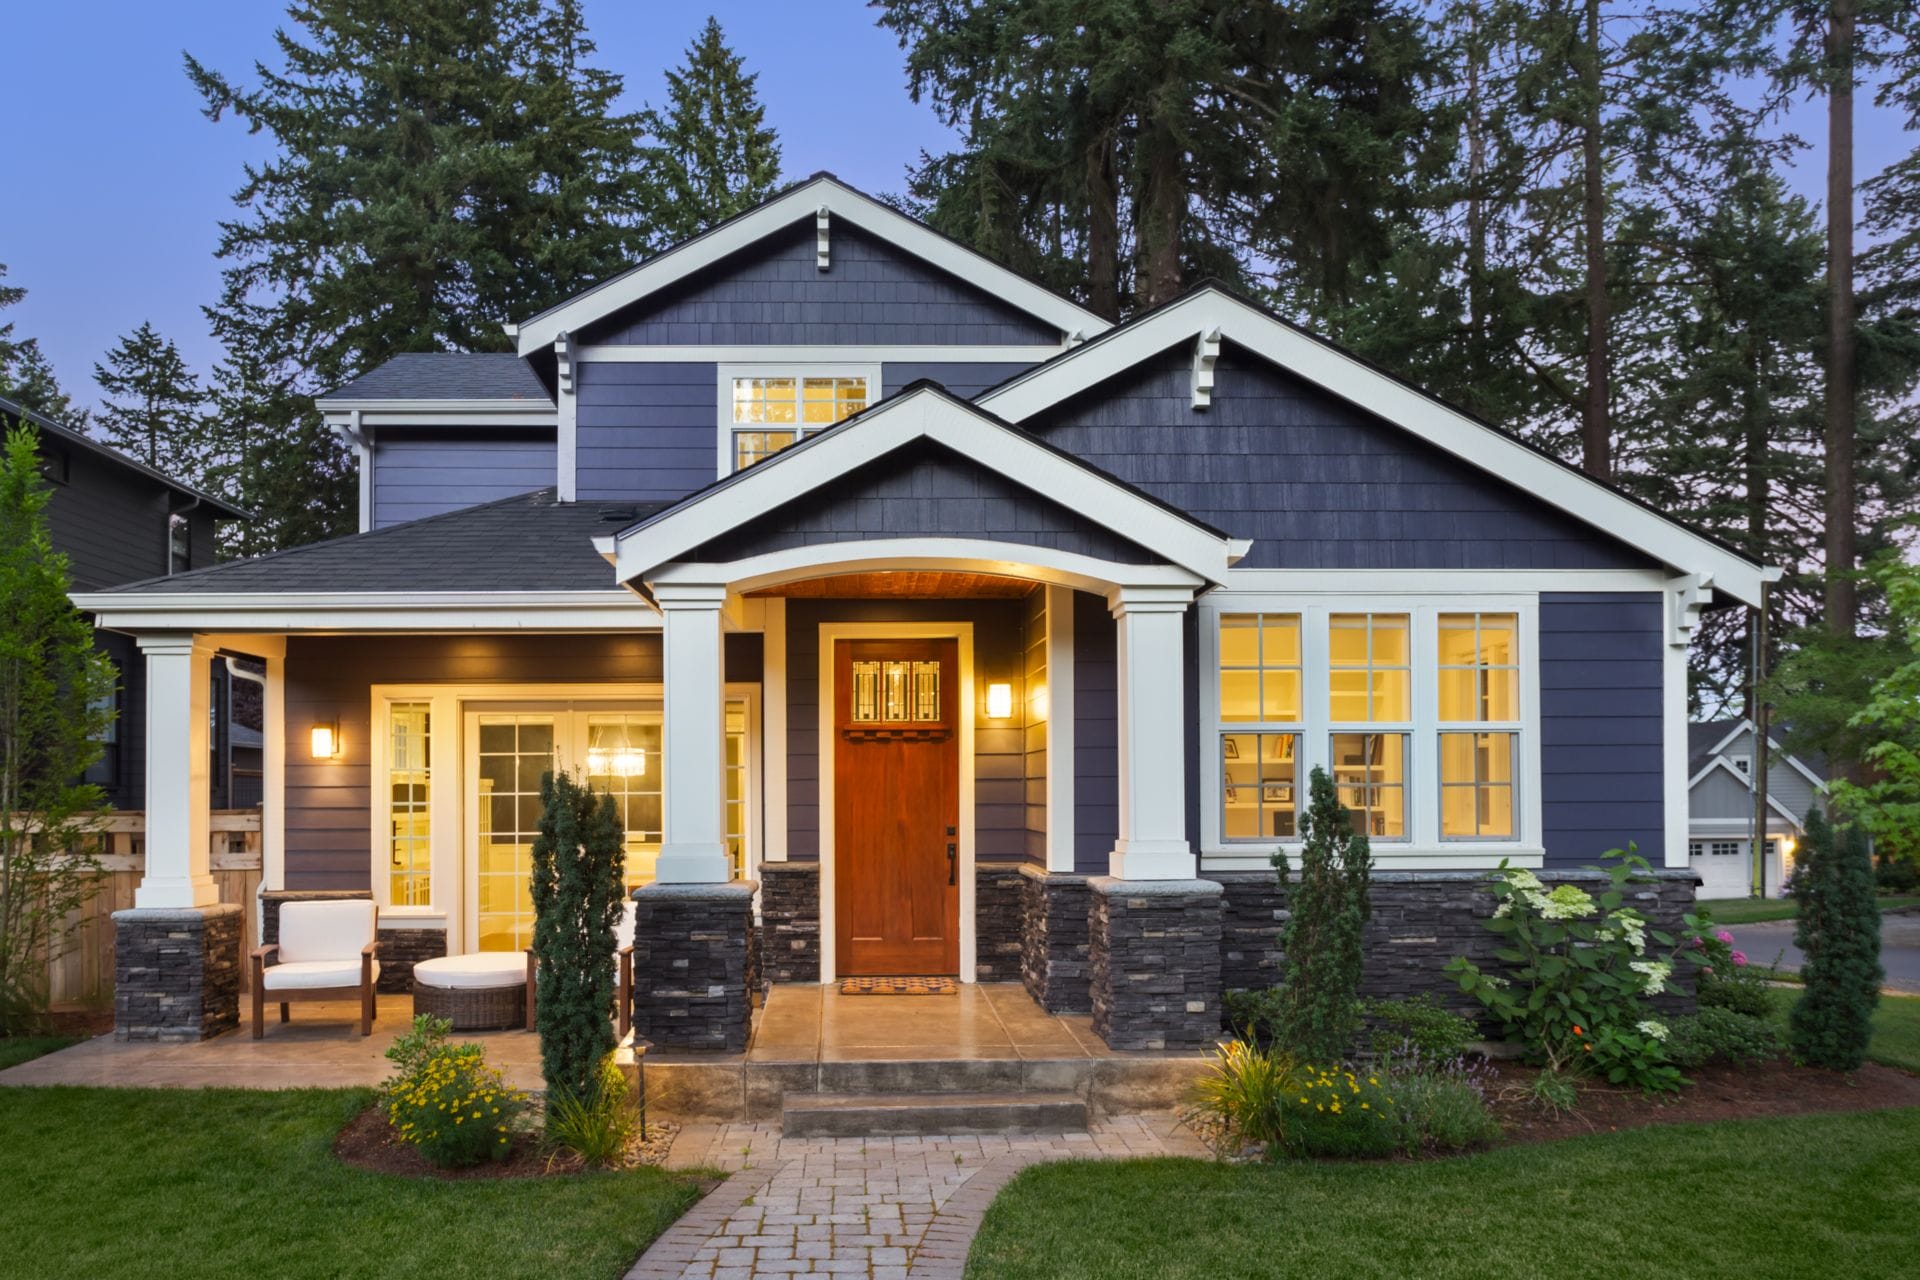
{"points": [[896, 804]]}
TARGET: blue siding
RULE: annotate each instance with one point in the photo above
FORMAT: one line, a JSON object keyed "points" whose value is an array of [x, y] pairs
{"points": [[648, 432], [775, 293], [964, 380], [1096, 735], [428, 474], [1316, 483], [924, 490], [1601, 743]]}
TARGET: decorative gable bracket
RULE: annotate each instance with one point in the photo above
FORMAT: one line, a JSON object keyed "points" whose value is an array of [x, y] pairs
{"points": [[1686, 597], [821, 256], [563, 356], [1206, 353]]}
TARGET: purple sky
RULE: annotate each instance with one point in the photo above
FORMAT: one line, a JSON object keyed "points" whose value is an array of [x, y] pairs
{"points": [[119, 181]]}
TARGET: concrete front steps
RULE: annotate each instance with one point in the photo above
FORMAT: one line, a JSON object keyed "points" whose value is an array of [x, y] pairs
{"points": [[889, 1115]]}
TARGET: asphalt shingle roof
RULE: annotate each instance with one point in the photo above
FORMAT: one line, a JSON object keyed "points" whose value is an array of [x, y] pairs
{"points": [[524, 543], [448, 375], [1703, 737]]}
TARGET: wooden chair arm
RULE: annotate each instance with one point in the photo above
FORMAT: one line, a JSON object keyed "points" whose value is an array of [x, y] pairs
{"points": [[371, 949], [260, 954]]}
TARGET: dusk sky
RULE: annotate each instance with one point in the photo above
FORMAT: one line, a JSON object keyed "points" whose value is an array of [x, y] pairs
{"points": [[118, 181]]}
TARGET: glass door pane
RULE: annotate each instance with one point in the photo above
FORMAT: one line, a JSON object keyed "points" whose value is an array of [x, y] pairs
{"points": [[513, 752], [623, 761]]}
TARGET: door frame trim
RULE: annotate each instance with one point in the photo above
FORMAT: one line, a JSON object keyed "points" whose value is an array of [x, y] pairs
{"points": [[830, 634]]}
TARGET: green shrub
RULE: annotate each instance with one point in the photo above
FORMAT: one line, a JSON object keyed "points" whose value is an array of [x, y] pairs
{"points": [[1727, 981], [1254, 1015], [1838, 930], [1437, 1112], [1555, 1091], [1321, 941], [410, 1053], [578, 885], [1722, 1035], [600, 1127], [1246, 1091], [1897, 873], [1421, 1023], [454, 1107], [1333, 1112]]}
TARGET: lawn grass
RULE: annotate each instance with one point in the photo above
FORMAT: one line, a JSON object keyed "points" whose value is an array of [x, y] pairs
{"points": [[140, 1183], [15, 1050], [1896, 1028], [1678, 1201], [1759, 910]]}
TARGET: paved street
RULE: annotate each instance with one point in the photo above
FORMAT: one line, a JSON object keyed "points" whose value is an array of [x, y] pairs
{"points": [[1899, 947]]}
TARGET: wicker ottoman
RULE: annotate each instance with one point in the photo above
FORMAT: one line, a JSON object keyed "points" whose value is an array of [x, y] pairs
{"points": [[482, 992]]}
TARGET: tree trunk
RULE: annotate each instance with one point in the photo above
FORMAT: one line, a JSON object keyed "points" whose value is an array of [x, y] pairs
{"points": [[1103, 229], [1596, 428], [1163, 201], [1841, 595], [1476, 202]]}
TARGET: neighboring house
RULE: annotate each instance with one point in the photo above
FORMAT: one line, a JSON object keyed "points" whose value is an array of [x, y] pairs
{"points": [[1720, 807], [120, 521], [922, 622]]}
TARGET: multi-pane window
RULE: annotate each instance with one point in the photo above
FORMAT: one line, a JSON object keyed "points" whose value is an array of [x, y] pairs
{"points": [[737, 780], [514, 752], [1479, 713], [1370, 714], [409, 790], [624, 761], [770, 413], [1261, 712]]}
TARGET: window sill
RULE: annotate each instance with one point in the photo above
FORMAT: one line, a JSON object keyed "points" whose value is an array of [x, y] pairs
{"points": [[412, 918], [1391, 857]]}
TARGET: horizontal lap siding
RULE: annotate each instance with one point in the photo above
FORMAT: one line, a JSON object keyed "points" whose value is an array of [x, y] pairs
{"points": [[648, 432], [1315, 482], [1601, 745], [774, 293], [420, 476], [111, 523], [1096, 737], [999, 789], [1036, 624], [330, 678]]}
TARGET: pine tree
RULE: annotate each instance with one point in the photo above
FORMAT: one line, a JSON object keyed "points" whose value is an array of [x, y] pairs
{"points": [[710, 153], [1838, 930], [1327, 913], [26, 376], [155, 404], [578, 891], [272, 453]]}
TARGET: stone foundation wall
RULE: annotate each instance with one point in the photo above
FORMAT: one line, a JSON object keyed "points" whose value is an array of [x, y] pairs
{"points": [[789, 922], [400, 949], [998, 921], [176, 972], [1155, 962], [691, 952], [1054, 941]]}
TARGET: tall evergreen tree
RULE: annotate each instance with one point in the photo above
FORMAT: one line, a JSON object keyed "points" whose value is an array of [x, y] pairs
{"points": [[710, 153], [442, 168], [26, 376], [155, 406], [1838, 930]]}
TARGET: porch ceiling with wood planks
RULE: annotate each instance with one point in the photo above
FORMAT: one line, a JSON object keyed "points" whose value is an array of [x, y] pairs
{"points": [[904, 584]]}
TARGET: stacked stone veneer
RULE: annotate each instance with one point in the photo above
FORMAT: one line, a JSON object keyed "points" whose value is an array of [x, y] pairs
{"points": [[1154, 953], [790, 922], [176, 972], [1055, 945], [400, 949], [999, 922], [691, 966]]}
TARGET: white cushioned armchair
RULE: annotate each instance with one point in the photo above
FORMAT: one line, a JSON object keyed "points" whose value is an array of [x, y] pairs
{"points": [[327, 951]]}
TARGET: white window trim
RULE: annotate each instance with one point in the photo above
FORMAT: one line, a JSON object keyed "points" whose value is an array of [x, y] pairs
{"points": [[727, 372], [1424, 849]]}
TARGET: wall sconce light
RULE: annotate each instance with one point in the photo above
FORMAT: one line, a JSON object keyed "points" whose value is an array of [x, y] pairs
{"points": [[325, 741], [999, 701]]}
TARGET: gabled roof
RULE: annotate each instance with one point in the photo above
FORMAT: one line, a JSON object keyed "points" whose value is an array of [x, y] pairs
{"points": [[67, 436], [1212, 312], [446, 375], [1708, 740], [924, 411], [804, 202]]}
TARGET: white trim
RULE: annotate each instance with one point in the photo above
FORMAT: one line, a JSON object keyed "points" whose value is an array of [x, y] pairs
{"points": [[1773, 800], [1469, 582], [960, 555], [488, 415], [1673, 687], [1150, 724], [804, 202], [1061, 772], [273, 759], [179, 868], [930, 415], [1347, 377], [725, 373], [830, 633], [815, 353], [823, 244], [773, 748], [355, 611], [1776, 754], [1424, 847], [567, 419]]}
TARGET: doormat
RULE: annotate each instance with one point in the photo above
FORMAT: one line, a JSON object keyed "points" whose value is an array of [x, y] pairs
{"points": [[899, 987]]}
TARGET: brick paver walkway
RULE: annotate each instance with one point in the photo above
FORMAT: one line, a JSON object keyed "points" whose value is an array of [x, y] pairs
{"points": [[883, 1208]]}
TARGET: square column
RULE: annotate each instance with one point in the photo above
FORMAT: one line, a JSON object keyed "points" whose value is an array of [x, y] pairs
{"points": [[179, 872], [693, 846], [1152, 842]]}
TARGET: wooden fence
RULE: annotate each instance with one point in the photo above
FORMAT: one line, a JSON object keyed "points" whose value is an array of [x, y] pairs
{"points": [[83, 975]]}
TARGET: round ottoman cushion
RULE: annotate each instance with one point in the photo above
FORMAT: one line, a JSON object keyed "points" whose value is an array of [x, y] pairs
{"points": [[482, 971]]}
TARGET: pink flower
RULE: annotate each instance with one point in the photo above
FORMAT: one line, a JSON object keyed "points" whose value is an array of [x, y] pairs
{"points": [[1724, 936], [1706, 968], [1739, 958]]}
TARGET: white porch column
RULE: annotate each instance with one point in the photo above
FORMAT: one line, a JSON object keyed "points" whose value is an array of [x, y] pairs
{"points": [[693, 846], [1152, 726], [179, 865]]}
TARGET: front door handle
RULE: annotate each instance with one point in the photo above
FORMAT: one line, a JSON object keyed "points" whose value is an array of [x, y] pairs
{"points": [[953, 864]]}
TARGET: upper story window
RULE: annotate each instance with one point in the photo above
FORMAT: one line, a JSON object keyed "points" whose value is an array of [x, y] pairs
{"points": [[771, 410], [179, 544]]}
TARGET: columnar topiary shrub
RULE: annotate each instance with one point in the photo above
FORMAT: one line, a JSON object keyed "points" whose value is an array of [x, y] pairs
{"points": [[1321, 940], [1839, 933], [579, 869]]}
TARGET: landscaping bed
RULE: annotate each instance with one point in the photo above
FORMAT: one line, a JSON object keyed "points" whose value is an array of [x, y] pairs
{"points": [[367, 1142]]}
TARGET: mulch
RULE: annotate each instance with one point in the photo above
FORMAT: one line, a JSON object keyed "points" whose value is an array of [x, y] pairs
{"points": [[368, 1143]]}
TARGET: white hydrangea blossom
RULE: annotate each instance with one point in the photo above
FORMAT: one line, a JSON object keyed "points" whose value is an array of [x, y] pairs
{"points": [[1655, 972], [1632, 927], [1568, 902], [1657, 1030]]}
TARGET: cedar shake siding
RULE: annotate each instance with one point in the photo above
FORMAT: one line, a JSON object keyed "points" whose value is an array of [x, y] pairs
{"points": [[964, 380], [427, 472], [1036, 624], [1316, 483]]}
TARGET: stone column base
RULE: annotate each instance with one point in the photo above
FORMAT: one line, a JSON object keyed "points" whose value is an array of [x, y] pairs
{"points": [[1155, 962], [176, 972], [1054, 944], [691, 946], [790, 921], [998, 921]]}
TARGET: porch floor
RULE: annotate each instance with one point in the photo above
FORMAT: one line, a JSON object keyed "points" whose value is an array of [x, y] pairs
{"points": [[814, 1023]]}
